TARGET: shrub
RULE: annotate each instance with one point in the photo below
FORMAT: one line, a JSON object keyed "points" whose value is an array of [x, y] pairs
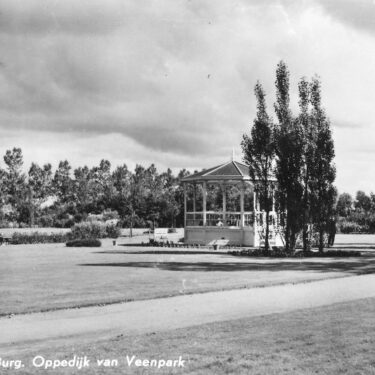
{"points": [[37, 237], [110, 215], [112, 231], [46, 220], [86, 242], [88, 229], [350, 227], [69, 223], [5, 224], [94, 229]]}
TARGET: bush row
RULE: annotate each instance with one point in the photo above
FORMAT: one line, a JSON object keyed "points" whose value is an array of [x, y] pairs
{"points": [[352, 227], [38, 237], [85, 230], [281, 253]]}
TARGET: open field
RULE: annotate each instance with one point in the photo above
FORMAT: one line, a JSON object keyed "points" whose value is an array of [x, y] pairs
{"points": [[42, 277], [337, 339], [355, 241]]}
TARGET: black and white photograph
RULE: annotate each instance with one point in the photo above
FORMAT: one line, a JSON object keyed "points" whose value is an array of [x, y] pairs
{"points": [[187, 187]]}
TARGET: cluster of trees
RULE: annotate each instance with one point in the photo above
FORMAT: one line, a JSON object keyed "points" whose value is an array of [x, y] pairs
{"points": [[61, 198], [356, 215], [294, 156]]}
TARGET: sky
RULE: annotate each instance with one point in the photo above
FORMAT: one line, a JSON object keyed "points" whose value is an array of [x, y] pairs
{"points": [[171, 82]]}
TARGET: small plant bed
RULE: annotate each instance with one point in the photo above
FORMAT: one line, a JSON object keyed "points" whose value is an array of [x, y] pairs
{"points": [[86, 242], [172, 244], [281, 253]]}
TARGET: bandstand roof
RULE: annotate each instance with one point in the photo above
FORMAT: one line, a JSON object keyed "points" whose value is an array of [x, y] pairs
{"points": [[232, 170]]}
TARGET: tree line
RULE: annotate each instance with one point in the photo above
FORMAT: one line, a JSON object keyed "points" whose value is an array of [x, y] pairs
{"points": [[46, 198], [293, 156], [356, 215]]}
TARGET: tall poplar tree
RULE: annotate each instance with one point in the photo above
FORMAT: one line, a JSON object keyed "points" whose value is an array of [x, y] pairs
{"points": [[309, 148], [323, 190], [259, 155], [289, 151]]}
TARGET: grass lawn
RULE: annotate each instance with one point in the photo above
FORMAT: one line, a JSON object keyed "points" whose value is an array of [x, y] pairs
{"points": [[11, 231], [42, 277], [338, 339]]}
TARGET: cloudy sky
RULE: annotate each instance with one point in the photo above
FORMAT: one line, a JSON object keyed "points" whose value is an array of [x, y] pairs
{"points": [[171, 82]]}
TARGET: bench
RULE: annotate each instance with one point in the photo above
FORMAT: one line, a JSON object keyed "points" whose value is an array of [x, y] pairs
{"points": [[217, 243]]}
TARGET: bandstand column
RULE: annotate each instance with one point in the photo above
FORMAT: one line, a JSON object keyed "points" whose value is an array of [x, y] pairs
{"points": [[204, 188], [194, 198], [242, 205], [224, 204]]}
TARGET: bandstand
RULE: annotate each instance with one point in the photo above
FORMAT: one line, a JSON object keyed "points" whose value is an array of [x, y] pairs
{"points": [[222, 204]]}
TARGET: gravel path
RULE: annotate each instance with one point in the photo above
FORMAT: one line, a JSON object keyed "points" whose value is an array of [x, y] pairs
{"points": [[182, 311]]}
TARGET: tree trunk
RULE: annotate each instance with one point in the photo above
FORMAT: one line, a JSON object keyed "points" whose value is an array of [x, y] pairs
{"points": [[321, 240], [287, 234], [287, 229], [305, 224], [305, 234], [131, 224], [267, 207], [31, 216], [292, 241], [31, 209]]}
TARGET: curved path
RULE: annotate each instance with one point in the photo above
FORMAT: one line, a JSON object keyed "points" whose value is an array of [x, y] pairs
{"points": [[182, 311]]}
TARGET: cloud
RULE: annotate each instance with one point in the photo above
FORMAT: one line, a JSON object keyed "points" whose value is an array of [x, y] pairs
{"points": [[359, 14], [172, 81], [41, 17]]}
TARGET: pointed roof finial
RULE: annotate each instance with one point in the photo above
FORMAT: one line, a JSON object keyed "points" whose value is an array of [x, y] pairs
{"points": [[233, 154]]}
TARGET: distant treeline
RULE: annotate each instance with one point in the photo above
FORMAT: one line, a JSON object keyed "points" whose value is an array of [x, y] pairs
{"points": [[46, 198], [356, 215]]}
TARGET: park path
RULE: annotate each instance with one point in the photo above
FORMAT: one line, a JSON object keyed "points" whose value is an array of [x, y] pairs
{"points": [[182, 311]]}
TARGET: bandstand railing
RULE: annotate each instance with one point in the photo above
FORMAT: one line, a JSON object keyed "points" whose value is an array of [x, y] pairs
{"points": [[219, 219]]}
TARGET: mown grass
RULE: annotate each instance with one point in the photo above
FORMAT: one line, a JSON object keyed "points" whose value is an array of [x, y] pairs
{"points": [[53, 276], [338, 339]]}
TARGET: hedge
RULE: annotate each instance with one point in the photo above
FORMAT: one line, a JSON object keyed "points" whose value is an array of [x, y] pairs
{"points": [[38, 237], [86, 242]]}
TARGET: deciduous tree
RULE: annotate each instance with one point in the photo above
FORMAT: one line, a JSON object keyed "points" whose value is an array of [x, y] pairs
{"points": [[324, 171]]}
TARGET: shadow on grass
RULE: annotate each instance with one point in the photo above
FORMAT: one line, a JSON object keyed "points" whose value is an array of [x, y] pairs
{"points": [[359, 266], [156, 252], [135, 244]]}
